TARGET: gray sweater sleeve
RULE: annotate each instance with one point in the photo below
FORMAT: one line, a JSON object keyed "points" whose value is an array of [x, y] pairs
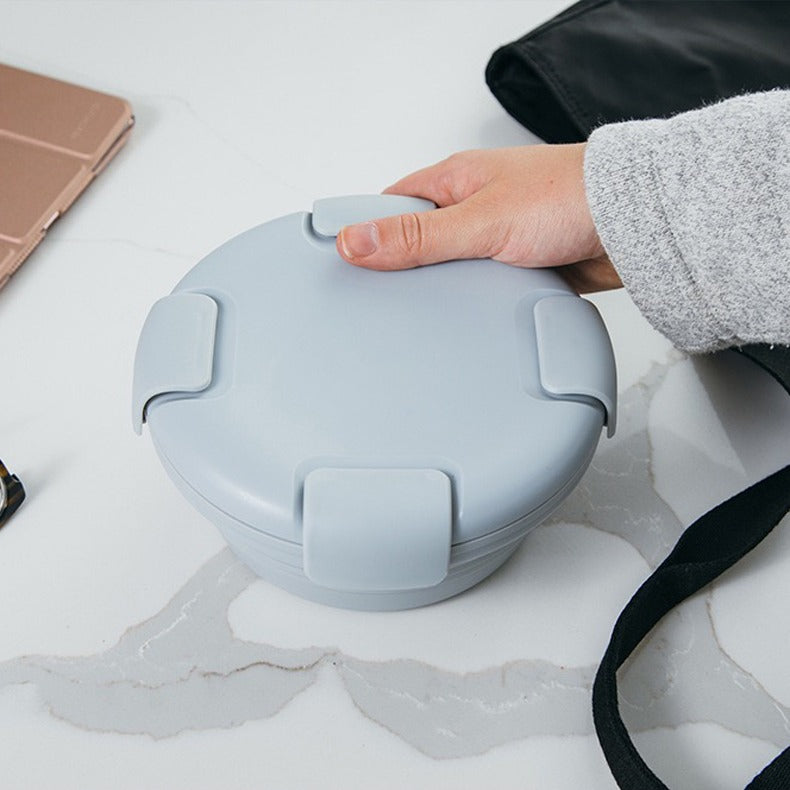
{"points": [[694, 214]]}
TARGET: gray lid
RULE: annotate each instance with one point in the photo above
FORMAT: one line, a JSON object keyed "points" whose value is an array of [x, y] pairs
{"points": [[274, 359]]}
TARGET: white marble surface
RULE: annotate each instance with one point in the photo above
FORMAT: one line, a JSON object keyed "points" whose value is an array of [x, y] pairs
{"points": [[135, 652]]}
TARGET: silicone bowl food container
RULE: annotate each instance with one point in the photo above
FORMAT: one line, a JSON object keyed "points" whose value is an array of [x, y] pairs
{"points": [[371, 440]]}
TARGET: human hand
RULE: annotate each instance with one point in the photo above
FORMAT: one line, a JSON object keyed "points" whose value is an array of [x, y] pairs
{"points": [[525, 206]]}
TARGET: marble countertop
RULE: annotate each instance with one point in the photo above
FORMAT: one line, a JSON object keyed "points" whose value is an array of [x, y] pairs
{"points": [[136, 652]]}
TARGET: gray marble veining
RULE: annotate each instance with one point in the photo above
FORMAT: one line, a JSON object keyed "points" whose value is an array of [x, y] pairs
{"points": [[184, 668]]}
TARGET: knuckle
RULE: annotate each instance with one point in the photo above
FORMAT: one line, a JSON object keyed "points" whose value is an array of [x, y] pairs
{"points": [[450, 186], [463, 174], [461, 157], [412, 234], [458, 158]]}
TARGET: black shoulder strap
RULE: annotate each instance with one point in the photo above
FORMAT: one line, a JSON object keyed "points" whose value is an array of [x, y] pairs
{"points": [[706, 549]]}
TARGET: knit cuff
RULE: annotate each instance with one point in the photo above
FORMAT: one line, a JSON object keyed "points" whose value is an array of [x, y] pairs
{"points": [[626, 200]]}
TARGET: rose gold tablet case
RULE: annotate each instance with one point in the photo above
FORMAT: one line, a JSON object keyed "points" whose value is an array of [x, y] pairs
{"points": [[55, 137]]}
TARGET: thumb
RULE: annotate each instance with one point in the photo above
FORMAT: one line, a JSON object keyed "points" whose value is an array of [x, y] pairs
{"points": [[417, 239]]}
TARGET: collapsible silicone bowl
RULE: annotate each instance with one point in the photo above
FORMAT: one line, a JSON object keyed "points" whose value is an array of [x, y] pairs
{"points": [[371, 440]]}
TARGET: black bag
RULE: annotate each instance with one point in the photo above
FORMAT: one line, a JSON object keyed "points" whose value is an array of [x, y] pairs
{"points": [[602, 61]]}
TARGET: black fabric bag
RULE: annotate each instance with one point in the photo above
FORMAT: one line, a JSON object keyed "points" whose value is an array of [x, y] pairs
{"points": [[602, 61]]}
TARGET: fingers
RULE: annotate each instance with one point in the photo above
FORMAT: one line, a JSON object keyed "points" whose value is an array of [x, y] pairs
{"points": [[445, 183], [409, 240], [456, 230]]}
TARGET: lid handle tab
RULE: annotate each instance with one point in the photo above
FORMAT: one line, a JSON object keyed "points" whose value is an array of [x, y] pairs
{"points": [[370, 530], [331, 215], [574, 353], [175, 352]]}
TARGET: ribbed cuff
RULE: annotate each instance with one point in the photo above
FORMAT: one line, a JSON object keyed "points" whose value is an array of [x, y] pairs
{"points": [[627, 204]]}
